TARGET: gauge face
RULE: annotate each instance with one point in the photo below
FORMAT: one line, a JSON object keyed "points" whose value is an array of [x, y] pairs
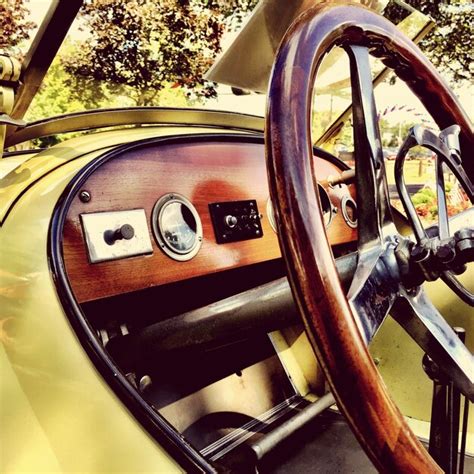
{"points": [[326, 207], [177, 227]]}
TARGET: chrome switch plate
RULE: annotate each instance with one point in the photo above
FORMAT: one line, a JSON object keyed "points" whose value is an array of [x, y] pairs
{"points": [[96, 224]]}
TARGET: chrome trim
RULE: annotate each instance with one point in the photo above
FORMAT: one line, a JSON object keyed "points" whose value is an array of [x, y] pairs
{"points": [[271, 215], [175, 254], [331, 209], [96, 224], [322, 192], [94, 119], [349, 221]]}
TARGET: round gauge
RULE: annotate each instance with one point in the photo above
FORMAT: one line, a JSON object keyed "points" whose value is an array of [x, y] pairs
{"points": [[177, 227], [349, 211], [327, 208]]}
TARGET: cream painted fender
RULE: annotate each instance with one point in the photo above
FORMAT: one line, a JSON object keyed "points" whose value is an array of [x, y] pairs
{"points": [[56, 412]]}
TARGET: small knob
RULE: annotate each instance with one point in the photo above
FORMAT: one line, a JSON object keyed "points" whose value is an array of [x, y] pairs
{"points": [[230, 221], [124, 232]]}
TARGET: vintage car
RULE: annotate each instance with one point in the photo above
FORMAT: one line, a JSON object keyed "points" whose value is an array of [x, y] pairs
{"points": [[196, 290]]}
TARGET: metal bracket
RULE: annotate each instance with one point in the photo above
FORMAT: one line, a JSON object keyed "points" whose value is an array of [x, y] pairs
{"points": [[10, 69], [441, 255]]}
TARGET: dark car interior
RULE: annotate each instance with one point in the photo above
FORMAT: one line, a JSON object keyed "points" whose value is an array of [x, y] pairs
{"points": [[186, 330]]}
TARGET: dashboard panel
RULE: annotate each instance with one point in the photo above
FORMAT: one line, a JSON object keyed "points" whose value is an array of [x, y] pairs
{"points": [[171, 188]]}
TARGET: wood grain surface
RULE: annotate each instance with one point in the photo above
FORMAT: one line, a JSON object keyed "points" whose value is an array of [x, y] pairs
{"points": [[202, 172]]}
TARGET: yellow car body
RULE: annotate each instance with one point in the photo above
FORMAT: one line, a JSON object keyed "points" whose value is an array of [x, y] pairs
{"points": [[57, 413]]}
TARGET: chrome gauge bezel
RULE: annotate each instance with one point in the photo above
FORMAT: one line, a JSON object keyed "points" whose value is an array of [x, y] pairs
{"points": [[323, 194], [345, 200], [156, 222], [271, 215]]}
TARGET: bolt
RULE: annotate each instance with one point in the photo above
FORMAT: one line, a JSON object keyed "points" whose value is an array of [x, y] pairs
{"points": [[85, 196], [445, 253]]}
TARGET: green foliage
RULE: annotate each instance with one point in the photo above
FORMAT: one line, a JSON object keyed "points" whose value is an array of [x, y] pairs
{"points": [[394, 133], [234, 11], [424, 196], [449, 44], [425, 203], [57, 96], [54, 97], [14, 28], [141, 46]]}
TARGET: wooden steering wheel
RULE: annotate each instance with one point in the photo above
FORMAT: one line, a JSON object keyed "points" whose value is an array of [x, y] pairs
{"points": [[340, 326]]}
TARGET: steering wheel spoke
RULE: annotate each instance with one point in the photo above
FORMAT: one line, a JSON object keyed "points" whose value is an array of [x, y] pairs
{"points": [[374, 288], [419, 317], [372, 188]]}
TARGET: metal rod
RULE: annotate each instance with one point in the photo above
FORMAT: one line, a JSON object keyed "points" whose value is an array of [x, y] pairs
{"points": [[437, 446], [445, 415], [346, 177], [46, 44], [271, 440], [456, 414], [451, 434], [462, 451], [264, 308]]}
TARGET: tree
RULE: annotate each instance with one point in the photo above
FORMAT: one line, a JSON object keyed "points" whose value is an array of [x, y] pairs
{"points": [[146, 45], [54, 97], [14, 26], [448, 45]]}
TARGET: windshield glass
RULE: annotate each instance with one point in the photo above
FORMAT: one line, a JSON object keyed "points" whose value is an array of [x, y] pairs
{"points": [[149, 53]]}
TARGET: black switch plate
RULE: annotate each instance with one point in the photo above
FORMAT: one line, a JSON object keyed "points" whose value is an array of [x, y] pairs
{"points": [[234, 221]]}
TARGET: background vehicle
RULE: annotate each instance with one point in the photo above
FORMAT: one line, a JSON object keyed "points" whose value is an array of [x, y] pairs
{"points": [[147, 319]]}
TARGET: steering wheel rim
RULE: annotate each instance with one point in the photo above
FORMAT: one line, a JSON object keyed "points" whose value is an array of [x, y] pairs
{"points": [[328, 317]]}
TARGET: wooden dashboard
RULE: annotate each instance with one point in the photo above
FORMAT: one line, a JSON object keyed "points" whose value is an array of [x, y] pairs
{"points": [[204, 171]]}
